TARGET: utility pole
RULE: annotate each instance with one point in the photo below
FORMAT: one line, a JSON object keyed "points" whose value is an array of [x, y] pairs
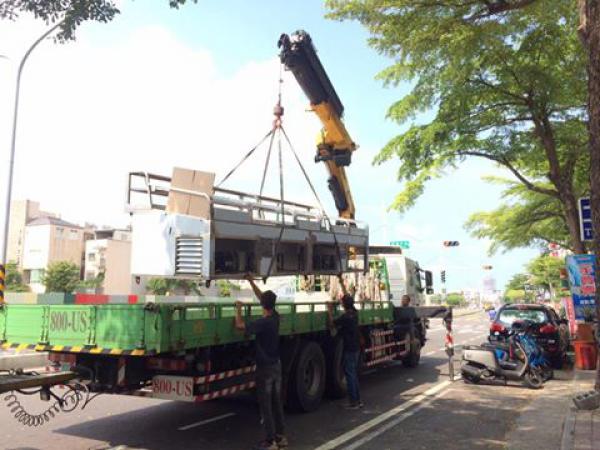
{"points": [[4, 242]]}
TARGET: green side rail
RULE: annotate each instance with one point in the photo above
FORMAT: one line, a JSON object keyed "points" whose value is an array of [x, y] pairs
{"points": [[143, 329]]}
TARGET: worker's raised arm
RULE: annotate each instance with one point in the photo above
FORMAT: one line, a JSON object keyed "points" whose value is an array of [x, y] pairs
{"points": [[255, 288], [239, 320]]}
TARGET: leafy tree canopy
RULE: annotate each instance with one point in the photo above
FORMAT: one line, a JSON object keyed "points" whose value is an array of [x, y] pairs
{"points": [[14, 279], [545, 273], [62, 276], [516, 296], [456, 299], [518, 281], [74, 12], [505, 84]]}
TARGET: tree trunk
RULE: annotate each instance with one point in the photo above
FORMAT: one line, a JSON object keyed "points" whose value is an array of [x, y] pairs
{"points": [[589, 29]]}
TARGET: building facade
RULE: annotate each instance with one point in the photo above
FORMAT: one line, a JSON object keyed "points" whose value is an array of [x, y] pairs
{"points": [[48, 240], [21, 212], [109, 257]]}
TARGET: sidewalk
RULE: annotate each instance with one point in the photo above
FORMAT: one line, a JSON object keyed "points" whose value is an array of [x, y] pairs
{"points": [[582, 428], [550, 420], [539, 424]]}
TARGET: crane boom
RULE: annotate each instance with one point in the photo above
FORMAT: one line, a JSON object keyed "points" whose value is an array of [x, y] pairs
{"points": [[334, 145]]}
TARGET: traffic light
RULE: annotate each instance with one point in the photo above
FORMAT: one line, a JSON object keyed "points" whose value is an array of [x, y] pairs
{"points": [[486, 267], [443, 274], [451, 243]]}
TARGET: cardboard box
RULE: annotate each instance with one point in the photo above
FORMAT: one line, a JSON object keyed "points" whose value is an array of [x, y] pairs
{"points": [[185, 195]]}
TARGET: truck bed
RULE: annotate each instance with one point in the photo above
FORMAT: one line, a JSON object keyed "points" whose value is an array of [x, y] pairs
{"points": [[149, 329]]}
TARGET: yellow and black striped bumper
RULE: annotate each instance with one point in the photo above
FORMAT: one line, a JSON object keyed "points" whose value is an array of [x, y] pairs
{"points": [[75, 349]]}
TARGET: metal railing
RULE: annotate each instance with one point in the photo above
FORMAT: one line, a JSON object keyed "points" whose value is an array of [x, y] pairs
{"points": [[260, 208]]}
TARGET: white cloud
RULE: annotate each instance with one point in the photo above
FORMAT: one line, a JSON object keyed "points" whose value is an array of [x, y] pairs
{"points": [[90, 114]]}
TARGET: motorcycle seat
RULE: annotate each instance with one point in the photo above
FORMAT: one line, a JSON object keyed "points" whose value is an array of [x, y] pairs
{"points": [[508, 365]]}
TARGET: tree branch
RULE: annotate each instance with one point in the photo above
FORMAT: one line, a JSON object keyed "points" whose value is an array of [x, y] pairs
{"points": [[506, 163], [495, 7]]}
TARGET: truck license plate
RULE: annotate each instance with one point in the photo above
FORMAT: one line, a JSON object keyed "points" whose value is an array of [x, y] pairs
{"points": [[173, 388]]}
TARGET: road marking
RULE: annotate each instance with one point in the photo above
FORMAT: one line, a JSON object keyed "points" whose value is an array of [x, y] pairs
{"points": [[396, 421], [204, 422], [383, 417]]}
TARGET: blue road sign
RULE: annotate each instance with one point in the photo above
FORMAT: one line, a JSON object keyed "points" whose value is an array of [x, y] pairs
{"points": [[585, 219]]}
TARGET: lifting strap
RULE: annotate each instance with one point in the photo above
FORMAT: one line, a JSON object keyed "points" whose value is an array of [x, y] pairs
{"points": [[276, 131]]}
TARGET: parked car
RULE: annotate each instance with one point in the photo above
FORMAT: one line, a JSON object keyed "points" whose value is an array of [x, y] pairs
{"points": [[552, 332]]}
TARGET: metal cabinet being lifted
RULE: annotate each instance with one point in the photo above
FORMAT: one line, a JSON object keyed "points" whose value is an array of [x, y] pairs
{"points": [[235, 233]]}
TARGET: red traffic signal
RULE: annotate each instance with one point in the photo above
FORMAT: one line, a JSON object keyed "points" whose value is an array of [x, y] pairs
{"points": [[451, 243]]}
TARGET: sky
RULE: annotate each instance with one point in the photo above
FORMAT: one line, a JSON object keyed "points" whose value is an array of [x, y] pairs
{"points": [[195, 87]]}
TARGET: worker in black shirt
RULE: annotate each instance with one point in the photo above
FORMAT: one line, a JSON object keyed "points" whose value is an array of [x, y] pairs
{"points": [[268, 366], [347, 326]]}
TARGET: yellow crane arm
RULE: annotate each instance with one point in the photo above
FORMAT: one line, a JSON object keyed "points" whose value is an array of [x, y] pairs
{"points": [[334, 145]]}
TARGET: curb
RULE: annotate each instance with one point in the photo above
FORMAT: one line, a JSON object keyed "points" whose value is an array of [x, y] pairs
{"points": [[568, 437]]}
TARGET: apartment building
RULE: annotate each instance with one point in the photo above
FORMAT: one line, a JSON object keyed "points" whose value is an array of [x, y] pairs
{"points": [[21, 212], [48, 240], [109, 254]]}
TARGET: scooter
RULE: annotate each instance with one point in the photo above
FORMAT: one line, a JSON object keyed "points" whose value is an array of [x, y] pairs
{"points": [[487, 362], [505, 350]]}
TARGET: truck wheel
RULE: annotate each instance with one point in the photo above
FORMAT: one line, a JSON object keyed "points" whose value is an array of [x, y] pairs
{"points": [[414, 353], [307, 381], [336, 381]]}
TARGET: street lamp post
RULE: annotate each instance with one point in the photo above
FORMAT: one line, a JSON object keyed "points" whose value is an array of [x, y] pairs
{"points": [[11, 163]]}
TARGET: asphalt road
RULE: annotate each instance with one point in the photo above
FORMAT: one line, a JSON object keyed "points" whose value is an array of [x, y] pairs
{"points": [[396, 414]]}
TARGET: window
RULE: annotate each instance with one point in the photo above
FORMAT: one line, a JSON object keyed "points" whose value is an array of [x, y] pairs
{"points": [[73, 235], [36, 276], [508, 316], [91, 257], [60, 232]]}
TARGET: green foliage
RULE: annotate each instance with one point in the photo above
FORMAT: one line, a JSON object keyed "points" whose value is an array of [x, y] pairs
{"points": [[93, 283], [518, 282], [545, 273], [169, 286], [62, 276], [14, 279], [455, 299], [517, 296], [225, 287], [74, 12], [509, 88], [526, 218]]}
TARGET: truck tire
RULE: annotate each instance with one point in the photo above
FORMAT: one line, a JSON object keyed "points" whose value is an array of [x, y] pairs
{"points": [[414, 354], [307, 378], [336, 381]]}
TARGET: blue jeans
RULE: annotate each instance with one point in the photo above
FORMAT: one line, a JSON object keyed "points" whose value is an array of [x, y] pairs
{"points": [[350, 363]]}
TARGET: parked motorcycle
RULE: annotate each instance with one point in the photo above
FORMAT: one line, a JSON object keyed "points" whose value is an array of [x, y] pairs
{"points": [[517, 359]]}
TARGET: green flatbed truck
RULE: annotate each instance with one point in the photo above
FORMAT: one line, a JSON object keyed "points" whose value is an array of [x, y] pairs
{"points": [[192, 351]]}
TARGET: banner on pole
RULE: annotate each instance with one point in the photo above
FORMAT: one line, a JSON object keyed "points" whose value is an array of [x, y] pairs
{"points": [[582, 283]]}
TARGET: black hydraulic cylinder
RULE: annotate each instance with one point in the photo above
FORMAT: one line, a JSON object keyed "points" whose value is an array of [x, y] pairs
{"points": [[341, 203], [298, 55]]}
